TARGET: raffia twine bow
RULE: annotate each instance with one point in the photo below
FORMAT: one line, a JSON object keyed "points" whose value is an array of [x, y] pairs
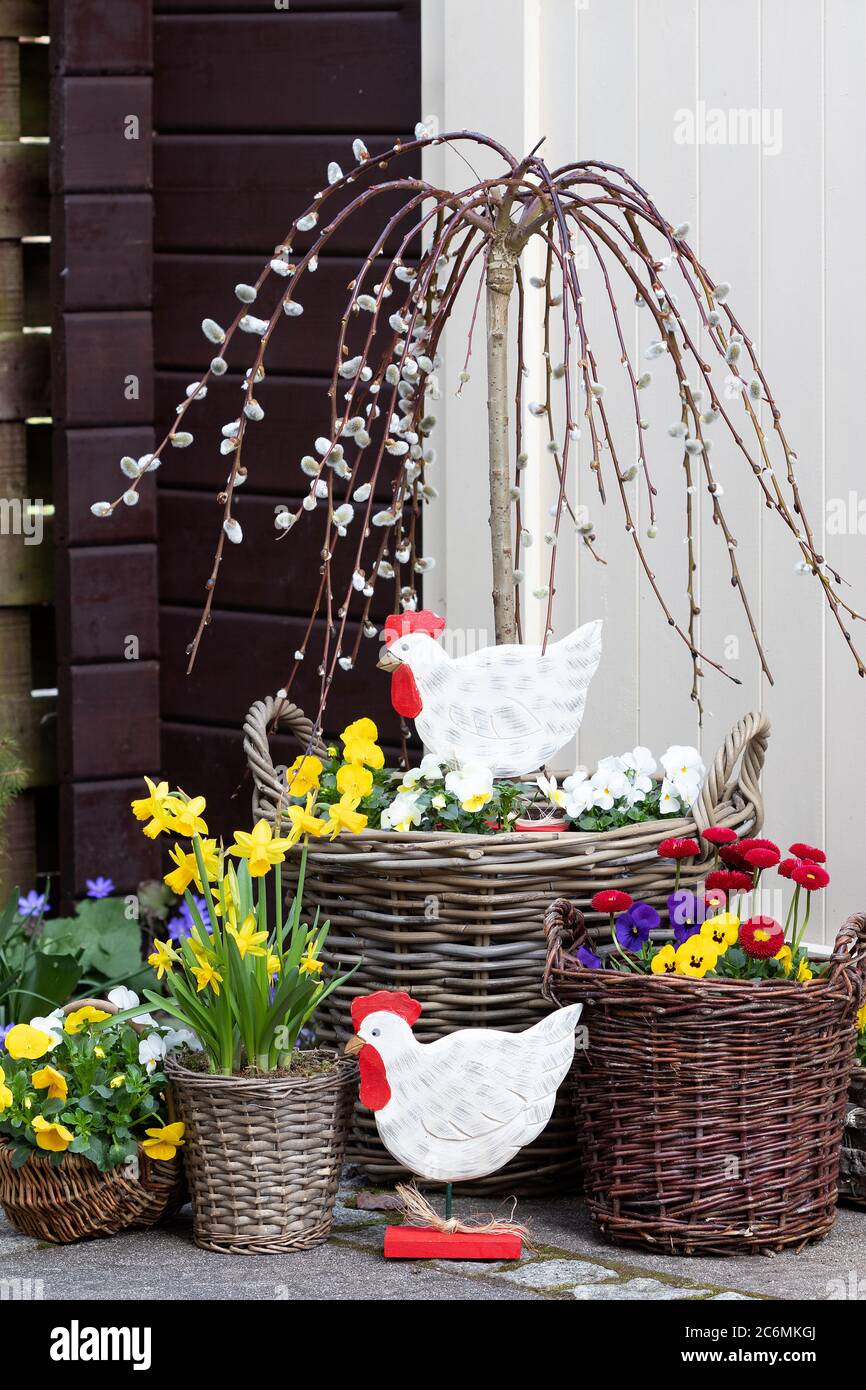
{"points": [[419, 1211]]}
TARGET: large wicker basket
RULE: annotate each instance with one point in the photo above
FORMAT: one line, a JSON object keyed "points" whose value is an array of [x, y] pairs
{"points": [[852, 1175], [73, 1200], [710, 1112], [457, 920], [264, 1154]]}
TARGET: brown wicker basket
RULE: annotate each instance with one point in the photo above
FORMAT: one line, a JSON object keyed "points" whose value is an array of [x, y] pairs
{"points": [[852, 1173], [456, 920], [74, 1201], [264, 1154], [710, 1111]]}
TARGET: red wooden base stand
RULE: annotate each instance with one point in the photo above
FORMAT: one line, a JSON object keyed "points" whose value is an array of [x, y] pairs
{"points": [[426, 1243]]}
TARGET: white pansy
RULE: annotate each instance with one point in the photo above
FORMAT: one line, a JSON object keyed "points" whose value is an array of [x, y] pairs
{"points": [[579, 796], [403, 813], [181, 1037], [609, 785], [471, 784], [685, 770], [669, 802], [551, 789], [124, 998], [430, 768], [151, 1051], [52, 1024]]}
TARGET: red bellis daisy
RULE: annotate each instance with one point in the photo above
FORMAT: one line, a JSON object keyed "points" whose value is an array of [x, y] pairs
{"points": [[787, 866], [745, 845], [761, 937], [762, 858], [675, 848], [729, 880], [809, 876], [611, 900], [719, 835], [801, 851]]}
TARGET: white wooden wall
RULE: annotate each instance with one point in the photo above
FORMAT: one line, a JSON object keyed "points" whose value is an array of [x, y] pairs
{"points": [[785, 223]]}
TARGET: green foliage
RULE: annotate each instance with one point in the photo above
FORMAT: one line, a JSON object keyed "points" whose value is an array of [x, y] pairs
{"points": [[106, 1121]]}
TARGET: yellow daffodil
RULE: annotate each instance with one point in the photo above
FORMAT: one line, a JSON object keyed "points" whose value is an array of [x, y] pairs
{"points": [[785, 959], [117, 1081], [360, 729], [163, 1143], [274, 966], [354, 780], [5, 1093], [308, 965], [206, 974], [53, 1137], [722, 930], [199, 948], [344, 815], [187, 872], [163, 957], [664, 962], [303, 775], [696, 956], [88, 1014], [861, 1019], [249, 941], [804, 974], [152, 808], [304, 822], [363, 752], [24, 1041], [186, 817], [54, 1082], [260, 847]]}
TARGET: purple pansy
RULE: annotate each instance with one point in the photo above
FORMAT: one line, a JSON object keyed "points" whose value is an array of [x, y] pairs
{"points": [[4, 1029], [33, 904], [686, 911], [588, 958], [99, 887], [631, 933]]}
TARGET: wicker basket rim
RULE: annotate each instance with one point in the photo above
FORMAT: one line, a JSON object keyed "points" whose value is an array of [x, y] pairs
{"points": [[514, 837], [71, 1160], [267, 1081]]}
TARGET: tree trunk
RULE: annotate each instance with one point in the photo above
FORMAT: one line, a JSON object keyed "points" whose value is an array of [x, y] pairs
{"points": [[500, 283]]}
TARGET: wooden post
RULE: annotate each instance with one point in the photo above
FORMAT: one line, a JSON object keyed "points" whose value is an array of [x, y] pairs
{"points": [[500, 283]]}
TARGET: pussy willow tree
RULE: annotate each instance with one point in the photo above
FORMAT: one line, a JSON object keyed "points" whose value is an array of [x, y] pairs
{"points": [[376, 426]]}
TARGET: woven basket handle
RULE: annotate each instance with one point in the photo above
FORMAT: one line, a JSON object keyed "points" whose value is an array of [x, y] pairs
{"points": [[849, 957], [269, 779], [104, 1004], [746, 746], [565, 930]]}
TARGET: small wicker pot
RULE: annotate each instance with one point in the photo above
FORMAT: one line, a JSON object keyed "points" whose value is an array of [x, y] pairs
{"points": [[852, 1172], [74, 1201], [710, 1112], [264, 1154], [457, 920]]}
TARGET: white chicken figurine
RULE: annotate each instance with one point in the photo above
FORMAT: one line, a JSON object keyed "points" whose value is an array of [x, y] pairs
{"points": [[460, 1107], [510, 707]]}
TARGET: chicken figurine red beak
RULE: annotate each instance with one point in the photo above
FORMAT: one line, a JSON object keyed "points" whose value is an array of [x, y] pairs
{"points": [[454, 1109]]}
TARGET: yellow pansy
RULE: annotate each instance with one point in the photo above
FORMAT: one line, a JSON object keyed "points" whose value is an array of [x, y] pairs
{"points": [[696, 956], [163, 1143], [308, 965], [5, 1093], [785, 959], [54, 1082], [99, 1052], [345, 816], [162, 957], [180, 878], [260, 847], [722, 930], [24, 1041], [186, 817], [303, 775], [152, 808], [861, 1019], [304, 822], [804, 974], [363, 752], [249, 941], [354, 780], [88, 1014], [53, 1137], [117, 1081], [664, 962], [360, 729], [206, 975]]}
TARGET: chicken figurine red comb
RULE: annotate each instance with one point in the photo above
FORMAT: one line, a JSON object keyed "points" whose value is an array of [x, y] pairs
{"points": [[455, 1109], [511, 707]]}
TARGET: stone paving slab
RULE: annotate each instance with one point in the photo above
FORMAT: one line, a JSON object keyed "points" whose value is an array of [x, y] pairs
{"points": [[569, 1261]]}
